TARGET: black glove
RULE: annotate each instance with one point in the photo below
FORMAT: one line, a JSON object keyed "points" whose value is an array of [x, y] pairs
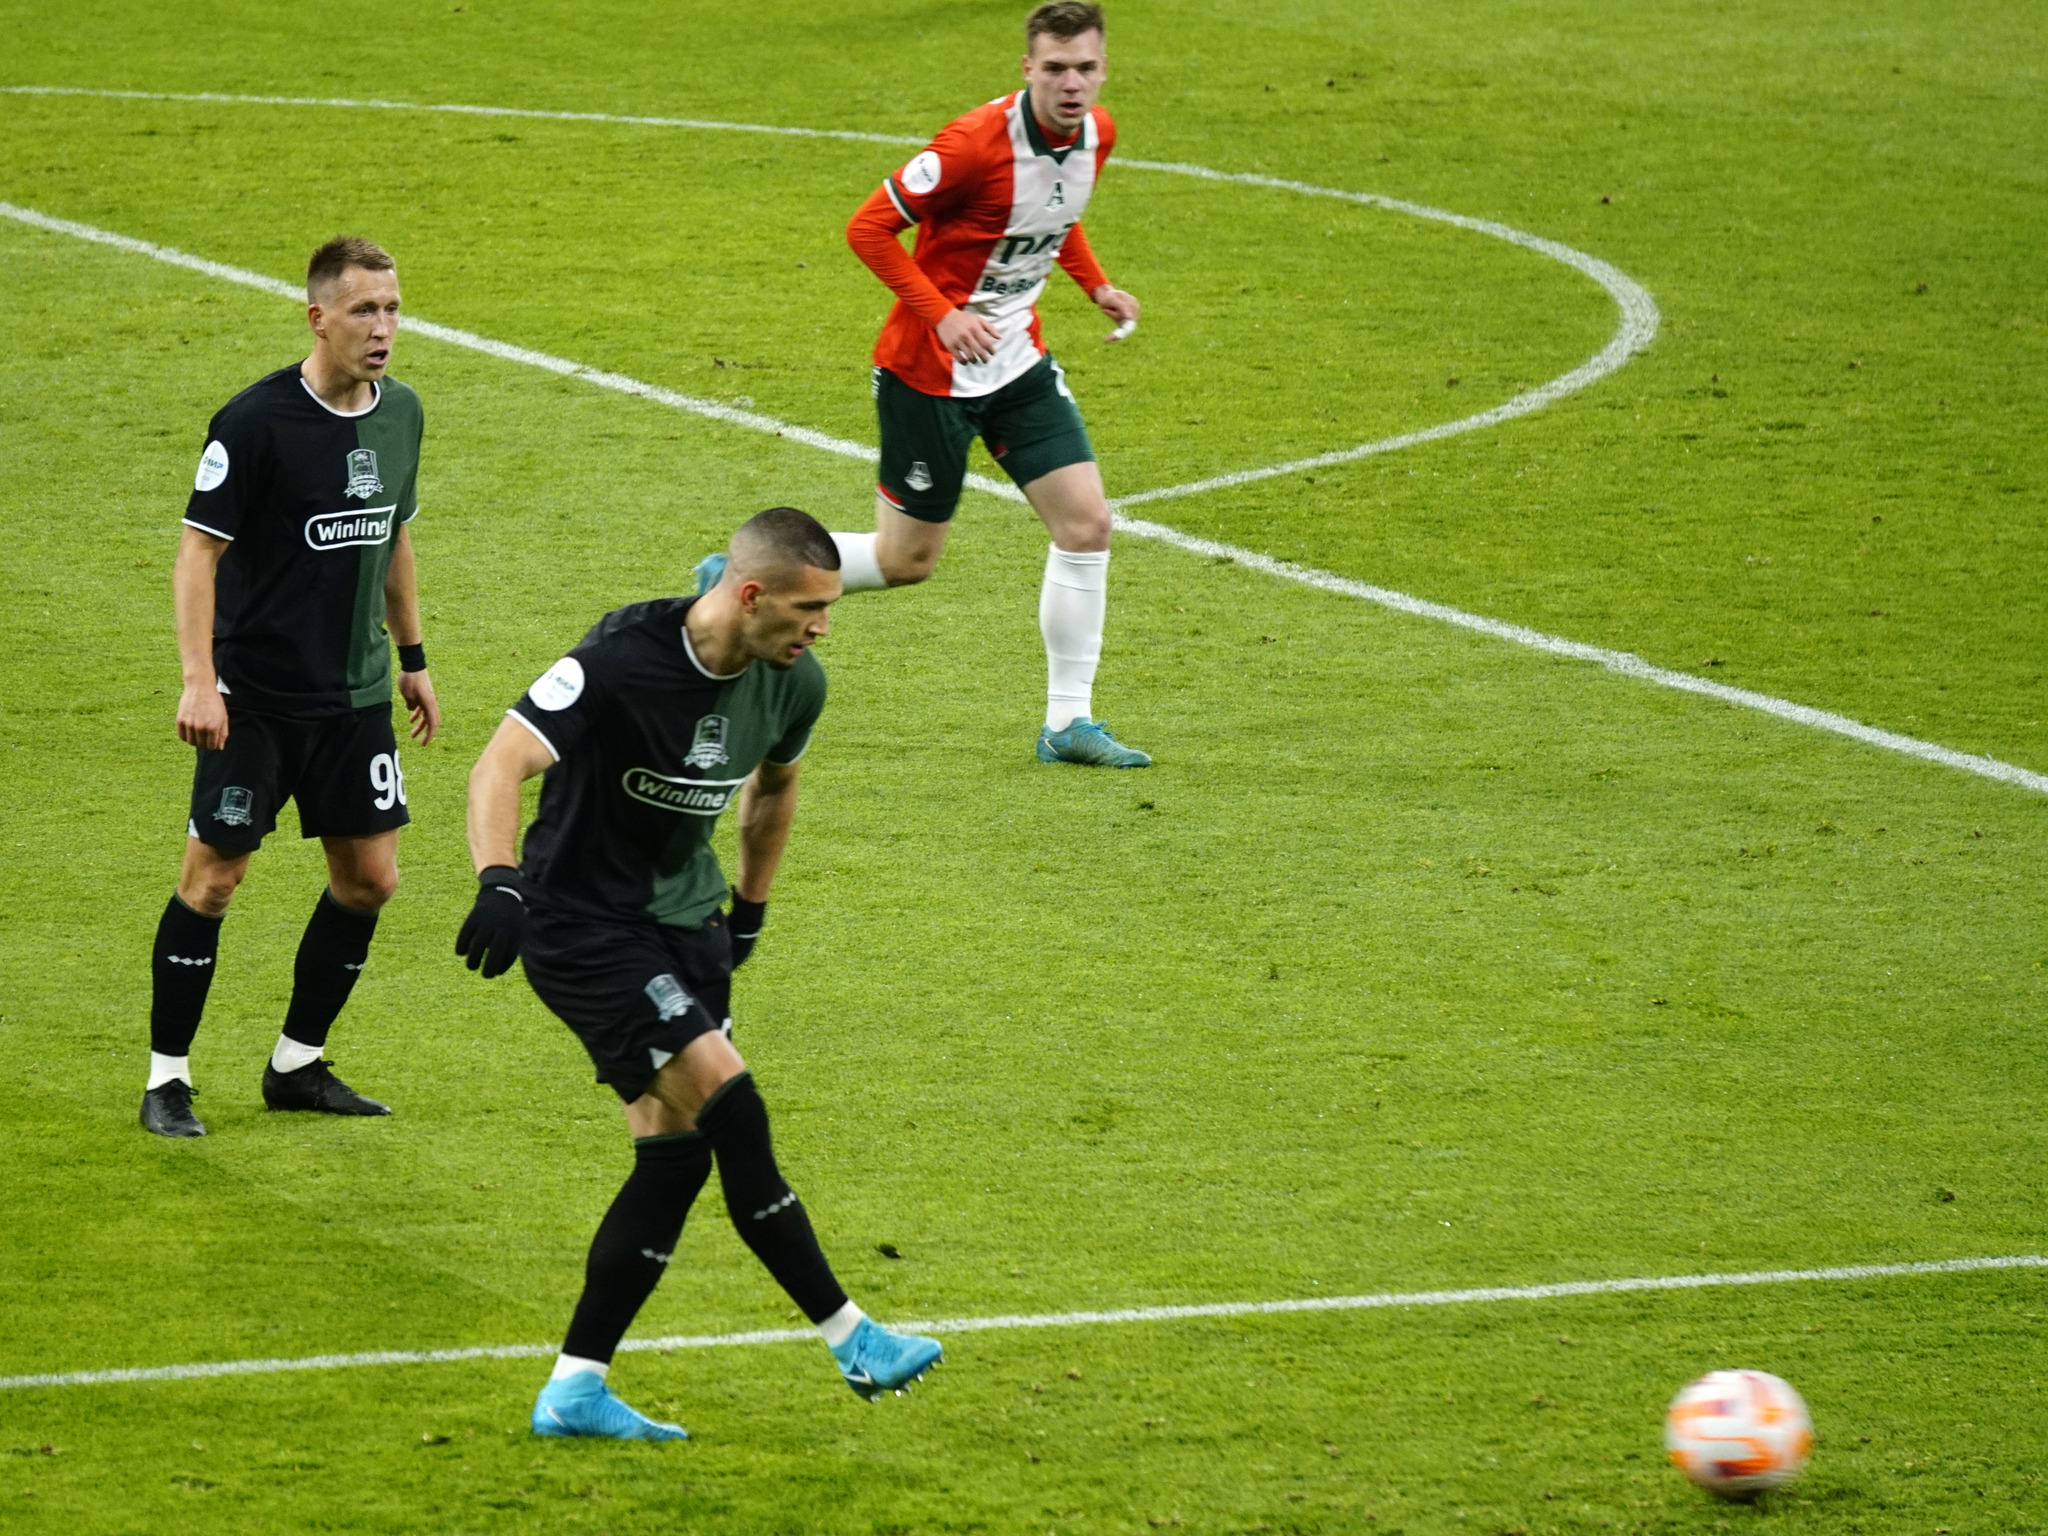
{"points": [[491, 933], [744, 923]]}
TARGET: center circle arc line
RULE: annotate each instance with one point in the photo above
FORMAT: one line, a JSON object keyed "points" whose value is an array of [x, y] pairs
{"points": [[1637, 327]]}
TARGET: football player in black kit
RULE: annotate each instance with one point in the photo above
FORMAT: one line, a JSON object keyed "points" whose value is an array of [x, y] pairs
{"points": [[294, 561], [667, 712]]}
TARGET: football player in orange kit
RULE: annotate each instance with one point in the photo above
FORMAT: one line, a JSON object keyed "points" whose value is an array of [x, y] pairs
{"points": [[997, 201]]}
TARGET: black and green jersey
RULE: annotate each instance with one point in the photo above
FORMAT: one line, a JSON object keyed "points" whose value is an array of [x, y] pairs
{"points": [[313, 501], [649, 748]]}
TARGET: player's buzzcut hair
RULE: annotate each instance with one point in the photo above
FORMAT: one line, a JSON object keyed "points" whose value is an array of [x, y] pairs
{"points": [[341, 253], [781, 539], [1063, 19]]}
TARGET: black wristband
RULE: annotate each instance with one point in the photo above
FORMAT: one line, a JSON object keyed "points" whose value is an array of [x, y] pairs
{"points": [[505, 876], [412, 658], [747, 917]]}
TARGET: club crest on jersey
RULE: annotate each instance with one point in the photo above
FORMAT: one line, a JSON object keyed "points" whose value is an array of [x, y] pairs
{"points": [[693, 797], [362, 474], [237, 806], [344, 530], [920, 476], [707, 750]]}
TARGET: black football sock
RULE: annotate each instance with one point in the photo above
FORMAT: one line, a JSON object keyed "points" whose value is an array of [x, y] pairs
{"points": [[770, 1219], [635, 1239], [181, 971], [332, 953]]}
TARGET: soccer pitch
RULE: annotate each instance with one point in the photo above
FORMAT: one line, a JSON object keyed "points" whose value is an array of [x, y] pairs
{"points": [[1423, 961]]}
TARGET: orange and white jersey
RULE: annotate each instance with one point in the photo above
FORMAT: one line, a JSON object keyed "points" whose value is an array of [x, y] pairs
{"points": [[996, 205]]}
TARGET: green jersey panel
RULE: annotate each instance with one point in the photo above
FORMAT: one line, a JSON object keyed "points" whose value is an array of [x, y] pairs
{"points": [[650, 749]]}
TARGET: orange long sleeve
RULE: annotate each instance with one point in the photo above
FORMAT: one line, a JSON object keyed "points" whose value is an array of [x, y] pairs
{"points": [[872, 233], [1079, 262]]}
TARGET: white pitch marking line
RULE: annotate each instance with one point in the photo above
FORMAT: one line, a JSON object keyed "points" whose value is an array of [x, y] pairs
{"points": [[204, 1370], [1639, 317], [1324, 581], [1623, 662]]}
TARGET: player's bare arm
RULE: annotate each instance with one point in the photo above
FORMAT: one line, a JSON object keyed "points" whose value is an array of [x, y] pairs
{"points": [[767, 808], [202, 715], [491, 934], [512, 756], [402, 618]]}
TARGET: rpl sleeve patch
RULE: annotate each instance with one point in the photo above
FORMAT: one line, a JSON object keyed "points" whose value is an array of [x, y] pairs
{"points": [[560, 686], [921, 176], [213, 467]]}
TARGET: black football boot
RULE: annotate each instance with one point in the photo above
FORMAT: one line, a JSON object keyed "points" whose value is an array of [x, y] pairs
{"points": [[167, 1110], [314, 1086]]}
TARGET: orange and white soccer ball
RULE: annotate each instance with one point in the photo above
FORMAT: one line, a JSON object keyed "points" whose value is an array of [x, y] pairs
{"points": [[1738, 1433]]}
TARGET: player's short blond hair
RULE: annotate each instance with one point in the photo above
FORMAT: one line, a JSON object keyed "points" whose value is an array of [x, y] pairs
{"points": [[341, 253], [1063, 19]]}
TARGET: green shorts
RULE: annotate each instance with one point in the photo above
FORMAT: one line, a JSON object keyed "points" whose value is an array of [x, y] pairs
{"points": [[1031, 426]]}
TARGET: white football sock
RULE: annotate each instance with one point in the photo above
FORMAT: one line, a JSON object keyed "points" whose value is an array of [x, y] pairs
{"points": [[572, 1365], [838, 1328], [290, 1054], [859, 570], [1070, 610], [163, 1068]]}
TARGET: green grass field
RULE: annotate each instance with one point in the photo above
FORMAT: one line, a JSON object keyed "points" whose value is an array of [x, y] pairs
{"points": [[1420, 960]]}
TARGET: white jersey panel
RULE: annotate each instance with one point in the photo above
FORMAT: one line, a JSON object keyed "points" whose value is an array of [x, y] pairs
{"points": [[1047, 199]]}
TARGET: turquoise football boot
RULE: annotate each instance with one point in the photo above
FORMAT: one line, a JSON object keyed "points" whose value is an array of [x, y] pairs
{"points": [[1088, 742], [875, 1361], [710, 571], [582, 1405]]}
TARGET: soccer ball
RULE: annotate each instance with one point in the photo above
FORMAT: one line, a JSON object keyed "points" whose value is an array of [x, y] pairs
{"points": [[1738, 1433]]}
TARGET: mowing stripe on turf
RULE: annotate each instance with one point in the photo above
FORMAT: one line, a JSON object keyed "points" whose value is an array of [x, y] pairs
{"points": [[204, 1370], [1639, 317], [1326, 581]]}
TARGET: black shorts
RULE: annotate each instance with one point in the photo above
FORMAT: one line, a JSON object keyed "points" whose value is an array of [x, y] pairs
{"points": [[635, 993], [1031, 425], [343, 772]]}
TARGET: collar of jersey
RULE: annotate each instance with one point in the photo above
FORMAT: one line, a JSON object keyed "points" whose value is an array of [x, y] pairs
{"points": [[376, 388], [1035, 134], [691, 651]]}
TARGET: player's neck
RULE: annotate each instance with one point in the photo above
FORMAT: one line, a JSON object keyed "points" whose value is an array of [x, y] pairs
{"points": [[335, 389], [712, 627]]}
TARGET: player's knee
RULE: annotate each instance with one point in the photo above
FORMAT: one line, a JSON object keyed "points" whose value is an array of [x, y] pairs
{"points": [[1087, 533], [1084, 525], [209, 895], [367, 890], [208, 888], [907, 570]]}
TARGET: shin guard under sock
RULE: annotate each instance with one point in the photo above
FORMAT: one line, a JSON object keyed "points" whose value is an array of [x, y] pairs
{"points": [[1072, 603], [332, 953], [635, 1240], [181, 971], [766, 1211]]}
